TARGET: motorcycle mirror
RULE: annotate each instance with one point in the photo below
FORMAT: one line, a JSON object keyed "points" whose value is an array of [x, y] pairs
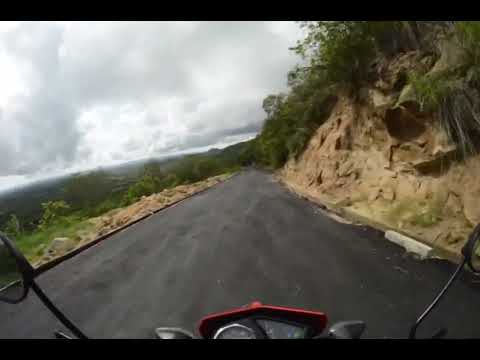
{"points": [[17, 277], [471, 250], [16, 273]]}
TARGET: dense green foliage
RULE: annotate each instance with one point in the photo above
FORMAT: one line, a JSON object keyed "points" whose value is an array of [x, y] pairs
{"points": [[12, 227], [344, 50], [198, 167], [468, 35], [150, 181], [431, 90], [52, 212], [336, 55], [85, 190], [454, 93]]}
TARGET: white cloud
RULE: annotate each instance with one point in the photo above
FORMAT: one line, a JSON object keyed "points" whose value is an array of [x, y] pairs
{"points": [[79, 95]]}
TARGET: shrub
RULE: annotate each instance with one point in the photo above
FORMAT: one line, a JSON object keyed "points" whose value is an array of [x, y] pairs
{"points": [[170, 180], [98, 184], [298, 141], [52, 212], [431, 90], [468, 35], [146, 186], [341, 48], [457, 104], [12, 227], [415, 212], [345, 49]]}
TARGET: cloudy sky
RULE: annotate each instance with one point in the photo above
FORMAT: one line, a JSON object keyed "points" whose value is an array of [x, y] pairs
{"points": [[79, 95]]}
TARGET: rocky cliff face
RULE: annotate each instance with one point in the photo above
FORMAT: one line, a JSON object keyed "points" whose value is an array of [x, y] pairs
{"points": [[382, 158]]}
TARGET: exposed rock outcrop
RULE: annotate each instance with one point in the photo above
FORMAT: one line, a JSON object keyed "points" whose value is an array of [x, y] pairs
{"points": [[388, 161]]}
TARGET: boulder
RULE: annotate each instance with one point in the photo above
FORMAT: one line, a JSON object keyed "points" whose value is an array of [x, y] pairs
{"points": [[452, 56], [380, 100], [120, 221], [59, 246], [438, 163], [107, 220]]}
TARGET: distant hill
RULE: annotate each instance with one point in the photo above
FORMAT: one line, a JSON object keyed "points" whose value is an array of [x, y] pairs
{"points": [[214, 151], [25, 201]]}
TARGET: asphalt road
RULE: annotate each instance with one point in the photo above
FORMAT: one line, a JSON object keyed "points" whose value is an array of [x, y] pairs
{"points": [[243, 240]]}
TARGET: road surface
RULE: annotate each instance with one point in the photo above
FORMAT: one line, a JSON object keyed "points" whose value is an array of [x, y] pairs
{"points": [[243, 240]]}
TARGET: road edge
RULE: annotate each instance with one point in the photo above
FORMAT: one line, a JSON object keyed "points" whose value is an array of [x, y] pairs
{"points": [[411, 245], [57, 261]]}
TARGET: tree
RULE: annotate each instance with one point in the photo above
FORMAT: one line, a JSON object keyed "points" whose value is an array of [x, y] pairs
{"points": [[247, 156], [12, 227], [152, 168], [344, 49], [272, 103], [52, 212], [205, 167], [147, 185], [170, 180], [86, 190]]}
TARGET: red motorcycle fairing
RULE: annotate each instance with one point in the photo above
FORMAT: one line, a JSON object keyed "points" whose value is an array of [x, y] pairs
{"points": [[315, 321]]}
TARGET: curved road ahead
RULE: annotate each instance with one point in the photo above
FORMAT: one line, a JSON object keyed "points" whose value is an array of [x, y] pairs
{"points": [[243, 240]]}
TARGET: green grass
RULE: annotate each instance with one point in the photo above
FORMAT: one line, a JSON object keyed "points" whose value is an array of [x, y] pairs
{"points": [[426, 217], [430, 91], [33, 244], [424, 213]]}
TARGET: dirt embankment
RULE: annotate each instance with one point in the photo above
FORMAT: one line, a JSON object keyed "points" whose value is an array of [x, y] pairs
{"points": [[386, 162], [121, 217]]}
